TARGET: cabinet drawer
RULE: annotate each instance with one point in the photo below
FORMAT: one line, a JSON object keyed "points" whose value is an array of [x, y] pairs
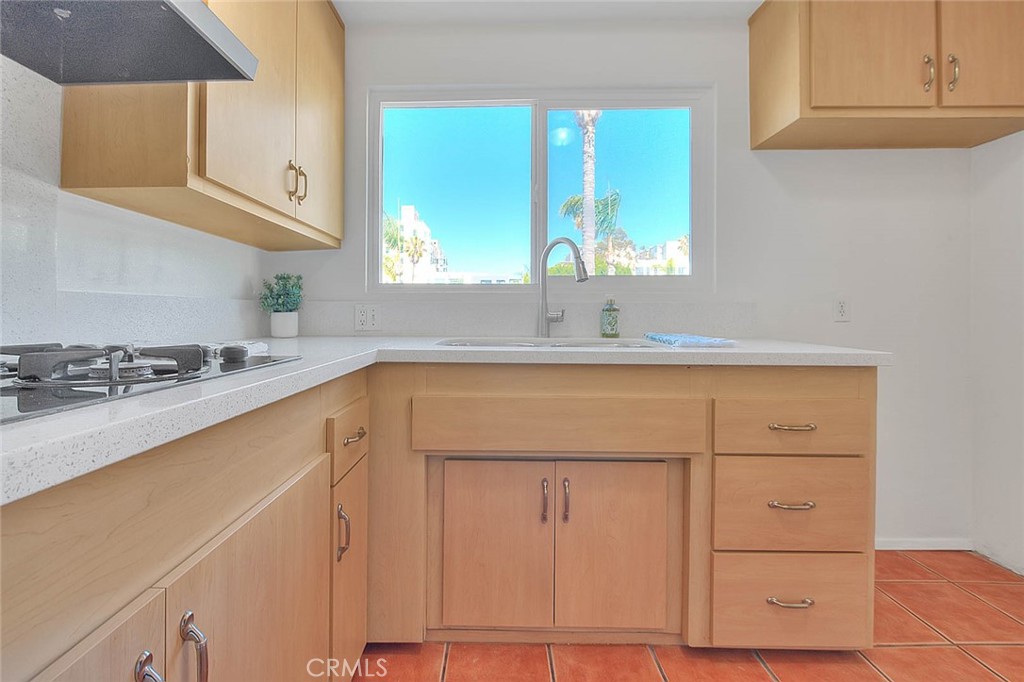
{"points": [[792, 427], [838, 584], [529, 423], [351, 424], [821, 504]]}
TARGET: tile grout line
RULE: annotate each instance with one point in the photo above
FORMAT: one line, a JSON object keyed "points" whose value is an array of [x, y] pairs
{"points": [[920, 619], [986, 601], [873, 666], [551, 662], [764, 664], [444, 661], [657, 663], [983, 664]]}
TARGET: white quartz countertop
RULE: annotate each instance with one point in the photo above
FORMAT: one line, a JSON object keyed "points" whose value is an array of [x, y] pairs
{"points": [[46, 451]]}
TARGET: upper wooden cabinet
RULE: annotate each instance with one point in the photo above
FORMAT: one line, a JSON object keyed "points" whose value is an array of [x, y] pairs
{"points": [[879, 73], [257, 162], [985, 39]]}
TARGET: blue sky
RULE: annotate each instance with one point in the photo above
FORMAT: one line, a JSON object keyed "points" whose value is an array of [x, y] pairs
{"points": [[467, 171]]}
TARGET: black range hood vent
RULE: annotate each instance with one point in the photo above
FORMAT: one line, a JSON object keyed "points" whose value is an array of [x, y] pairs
{"points": [[122, 41]]}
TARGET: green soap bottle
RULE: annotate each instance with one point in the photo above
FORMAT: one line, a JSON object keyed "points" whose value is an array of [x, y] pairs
{"points": [[610, 320]]}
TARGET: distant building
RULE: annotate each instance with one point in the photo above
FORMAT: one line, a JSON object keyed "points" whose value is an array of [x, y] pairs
{"points": [[432, 265], [667, 258]]}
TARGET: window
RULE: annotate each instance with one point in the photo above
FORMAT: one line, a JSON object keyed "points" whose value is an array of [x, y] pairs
{"points": [[469, 190]]}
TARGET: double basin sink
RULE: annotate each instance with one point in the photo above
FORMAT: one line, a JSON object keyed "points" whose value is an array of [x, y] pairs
{"points": [[540, 342]]}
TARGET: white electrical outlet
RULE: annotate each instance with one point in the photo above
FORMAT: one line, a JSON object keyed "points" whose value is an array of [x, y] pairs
{"points": [[841, 310], [367, 318]]}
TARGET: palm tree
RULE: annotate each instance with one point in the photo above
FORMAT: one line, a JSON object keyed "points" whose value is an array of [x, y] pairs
{"points": [[606, 213], [587, 122], [415, 249], [393, 248], [684, 245]]}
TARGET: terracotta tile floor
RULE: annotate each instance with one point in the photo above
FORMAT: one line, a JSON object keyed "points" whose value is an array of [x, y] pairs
{"points": [[940, 616]]}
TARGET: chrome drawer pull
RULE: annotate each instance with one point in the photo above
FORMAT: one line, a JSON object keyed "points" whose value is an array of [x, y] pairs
{"points": [[144, 670], [804, 603], [344, 518], [955, 61], [806, 506], [565, 513], [190, 633], [348, 440], [811, 426], [544, 509]]}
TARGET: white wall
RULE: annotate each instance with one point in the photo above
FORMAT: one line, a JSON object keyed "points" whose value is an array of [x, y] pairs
{"points": [[997, 348], [886, 229], [75, 270]]}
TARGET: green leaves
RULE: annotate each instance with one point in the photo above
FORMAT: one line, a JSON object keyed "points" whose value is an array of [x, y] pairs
{"points": [[283, 294]]}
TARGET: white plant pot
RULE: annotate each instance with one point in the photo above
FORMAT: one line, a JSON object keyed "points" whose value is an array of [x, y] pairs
{"points": [[284, 325]]}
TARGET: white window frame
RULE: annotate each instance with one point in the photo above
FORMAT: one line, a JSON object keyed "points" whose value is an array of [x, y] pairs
{"points": [[701, 101]]}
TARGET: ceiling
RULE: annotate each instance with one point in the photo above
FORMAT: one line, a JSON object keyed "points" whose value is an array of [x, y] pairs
{"points": [[381, 12]]}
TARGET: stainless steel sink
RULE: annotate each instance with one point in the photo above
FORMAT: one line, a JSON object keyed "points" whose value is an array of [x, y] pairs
{"points": [[540, 342]]}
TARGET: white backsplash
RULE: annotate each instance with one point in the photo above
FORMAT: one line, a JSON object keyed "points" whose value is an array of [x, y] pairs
{"points": [[74, 269]]}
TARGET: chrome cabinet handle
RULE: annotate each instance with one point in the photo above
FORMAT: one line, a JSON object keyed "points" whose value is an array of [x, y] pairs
{"points": [[811, 426], [930, 61], [292, 168], [342, 516], [806, 506], [305, 185], [348, 440], [804, 603], [190, 633], [955, 61], [144, 670], [544, 509], [565, 512]]}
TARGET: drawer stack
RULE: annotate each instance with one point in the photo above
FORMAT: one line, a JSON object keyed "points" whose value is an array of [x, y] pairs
{"points": [[792, 523]]}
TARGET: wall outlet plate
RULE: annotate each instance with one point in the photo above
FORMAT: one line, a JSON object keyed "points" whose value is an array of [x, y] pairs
{"points": [[367, 318], [841, 310]]}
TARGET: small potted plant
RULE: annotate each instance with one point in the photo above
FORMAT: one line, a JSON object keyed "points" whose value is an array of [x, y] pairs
{"points": [[282, 297]]}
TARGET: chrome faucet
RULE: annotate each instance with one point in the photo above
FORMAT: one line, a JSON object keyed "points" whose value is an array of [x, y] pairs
{"points": [[546, 316]]}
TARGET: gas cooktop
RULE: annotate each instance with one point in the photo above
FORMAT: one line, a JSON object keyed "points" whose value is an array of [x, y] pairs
{"points": [[39, 379]]}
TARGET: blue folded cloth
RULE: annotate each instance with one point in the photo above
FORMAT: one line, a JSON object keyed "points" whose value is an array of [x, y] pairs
{"points": [[688, 340]]}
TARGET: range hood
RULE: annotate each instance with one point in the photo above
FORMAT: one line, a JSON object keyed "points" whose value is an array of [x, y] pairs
{"points": [[122, 41]]}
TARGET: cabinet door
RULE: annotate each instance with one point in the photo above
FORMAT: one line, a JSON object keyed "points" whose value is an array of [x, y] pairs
{"points": [[611, 545], [259, 590], [498, 544], [320, 109], [986, 38], [349, 505], [872, 54], [249, 127], [111, 652]]}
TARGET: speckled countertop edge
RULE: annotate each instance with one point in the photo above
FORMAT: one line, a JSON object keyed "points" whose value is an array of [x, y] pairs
{"points": [[41, 453]]}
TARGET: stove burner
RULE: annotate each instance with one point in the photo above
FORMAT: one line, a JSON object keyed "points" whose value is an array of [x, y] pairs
{"points": [[126, 370], [116, 366]]}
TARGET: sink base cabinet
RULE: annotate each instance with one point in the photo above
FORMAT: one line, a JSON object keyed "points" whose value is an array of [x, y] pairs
{"points": [[680, 527], [573, 545]]}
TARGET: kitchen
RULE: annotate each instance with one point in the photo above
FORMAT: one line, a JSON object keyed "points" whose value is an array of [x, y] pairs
{"points": [[924, 244]]}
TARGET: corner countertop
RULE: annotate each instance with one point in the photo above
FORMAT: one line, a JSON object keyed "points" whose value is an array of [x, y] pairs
{"points": [[40, 453]]}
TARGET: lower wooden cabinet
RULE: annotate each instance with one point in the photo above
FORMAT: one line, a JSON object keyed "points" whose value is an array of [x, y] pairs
{"points": [[349, 506], [256, 592], [791, 600], [786, 504], [118, 647], [568, 544]]}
